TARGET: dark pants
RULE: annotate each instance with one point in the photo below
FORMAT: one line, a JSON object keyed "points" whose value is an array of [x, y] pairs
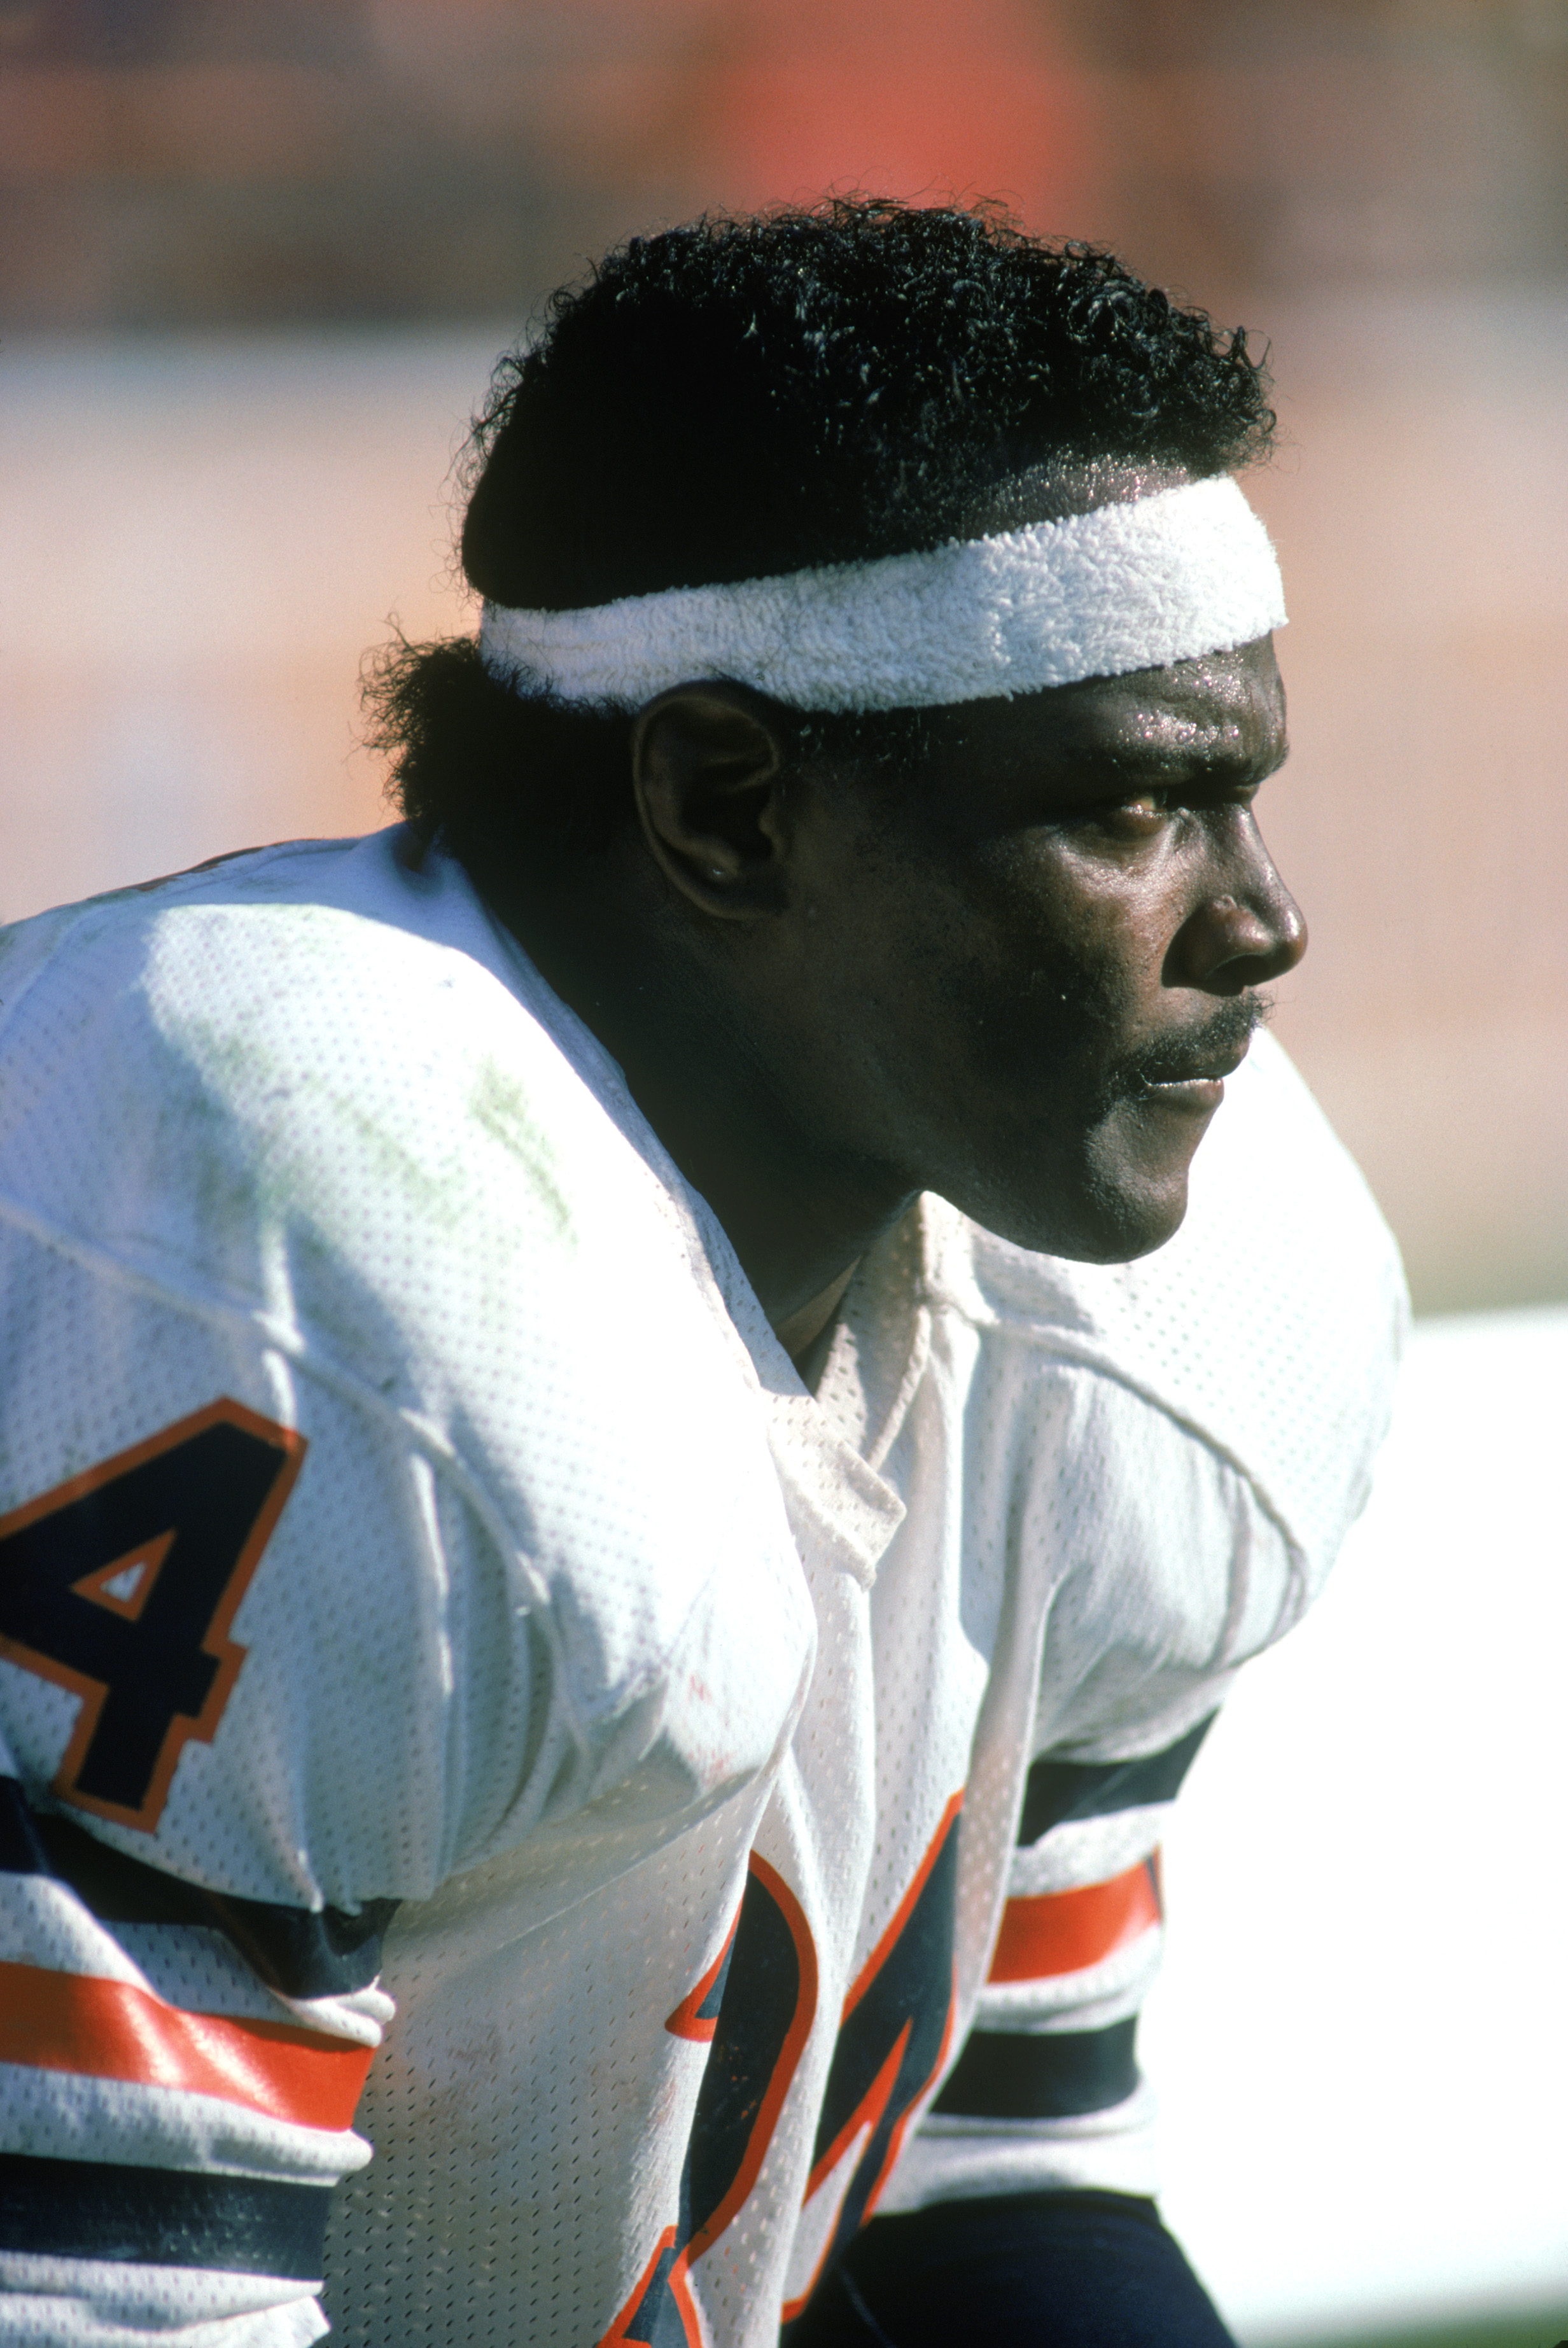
{"points": [[1032, 2270]]}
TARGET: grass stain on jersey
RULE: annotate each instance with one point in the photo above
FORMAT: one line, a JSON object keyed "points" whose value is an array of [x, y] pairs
{"points": [[500, 1104]]}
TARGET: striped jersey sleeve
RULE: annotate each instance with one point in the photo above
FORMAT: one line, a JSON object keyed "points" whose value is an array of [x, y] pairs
{"points": [[178, 2075], [1047, 2090]]}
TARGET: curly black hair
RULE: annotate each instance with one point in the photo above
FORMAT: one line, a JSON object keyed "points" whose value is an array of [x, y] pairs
{"points": [[739, 397]]}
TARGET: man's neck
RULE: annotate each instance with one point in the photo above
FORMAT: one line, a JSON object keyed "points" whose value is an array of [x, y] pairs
{"points": [[800, 1333], [798, 1216]]}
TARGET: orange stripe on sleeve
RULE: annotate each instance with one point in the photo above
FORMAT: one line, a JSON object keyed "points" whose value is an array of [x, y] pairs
{"points": [[1063, 1932], [112, 2030]]}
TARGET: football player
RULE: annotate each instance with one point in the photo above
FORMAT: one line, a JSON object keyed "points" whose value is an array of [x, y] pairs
{"points": [[644, 1416]]}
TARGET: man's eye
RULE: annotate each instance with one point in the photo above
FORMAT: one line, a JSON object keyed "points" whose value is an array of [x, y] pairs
{"points": [[1144, 813]]}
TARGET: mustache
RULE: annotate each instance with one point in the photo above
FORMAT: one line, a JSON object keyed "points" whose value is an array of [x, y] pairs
{"points": [[1208, 1045]]}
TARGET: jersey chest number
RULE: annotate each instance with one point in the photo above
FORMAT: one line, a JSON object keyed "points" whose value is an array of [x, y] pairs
{"points": [[120, 1585], [756, 2007]]}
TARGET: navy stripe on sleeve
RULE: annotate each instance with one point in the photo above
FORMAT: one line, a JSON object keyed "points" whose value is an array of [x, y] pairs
{"points": [[161, 2217], [21, 1850], [1011, 2076], [298, 1952], [1056, 1791]]}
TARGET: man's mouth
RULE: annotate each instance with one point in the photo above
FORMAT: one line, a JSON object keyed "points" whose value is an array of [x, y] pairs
{"points": [[1190, 1093], [1190, 1071], [1213, 1069]]}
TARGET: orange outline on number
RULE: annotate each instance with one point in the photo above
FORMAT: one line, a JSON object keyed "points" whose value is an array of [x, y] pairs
{"points": [[215, 1641], [760, 2135]]}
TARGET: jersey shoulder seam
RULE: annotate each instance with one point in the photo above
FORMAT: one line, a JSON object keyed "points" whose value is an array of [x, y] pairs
{"points": [[232, 1316], [1062, 1348], [311, 1361]]}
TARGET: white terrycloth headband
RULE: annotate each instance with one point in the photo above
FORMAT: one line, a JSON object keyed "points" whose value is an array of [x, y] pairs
{"points": [[1158, 579]]}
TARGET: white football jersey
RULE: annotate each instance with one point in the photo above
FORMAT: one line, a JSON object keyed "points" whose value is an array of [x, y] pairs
{"points": [[460, 1695]]}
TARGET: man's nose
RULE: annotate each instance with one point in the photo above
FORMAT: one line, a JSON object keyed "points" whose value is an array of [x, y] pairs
{"points": [[1240, 937]]}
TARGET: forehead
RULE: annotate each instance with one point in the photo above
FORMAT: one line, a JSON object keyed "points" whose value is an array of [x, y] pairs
{"points": [[1224, 711]]}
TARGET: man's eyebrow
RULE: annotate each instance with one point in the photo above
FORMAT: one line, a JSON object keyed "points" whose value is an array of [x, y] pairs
{"points": [[1214, 749]]}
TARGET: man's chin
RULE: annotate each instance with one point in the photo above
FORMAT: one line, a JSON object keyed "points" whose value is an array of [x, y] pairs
{"points": [[1094, 1222], [1132, 1233], [1114, 1192]]}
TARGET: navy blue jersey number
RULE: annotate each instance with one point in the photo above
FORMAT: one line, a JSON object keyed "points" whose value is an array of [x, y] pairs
{"points": [[122, 1584], [894, 2036], [755, 2005]]}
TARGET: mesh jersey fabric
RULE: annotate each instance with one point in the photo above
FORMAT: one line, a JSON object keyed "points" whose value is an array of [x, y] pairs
{"points": [[403, 1500]]}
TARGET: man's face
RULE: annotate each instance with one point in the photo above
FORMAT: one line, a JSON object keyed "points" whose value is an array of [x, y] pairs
{"points": [[1033, 963]]}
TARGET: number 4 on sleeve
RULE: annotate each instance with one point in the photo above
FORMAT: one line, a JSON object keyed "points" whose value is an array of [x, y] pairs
{"points": [[120, 1585]]}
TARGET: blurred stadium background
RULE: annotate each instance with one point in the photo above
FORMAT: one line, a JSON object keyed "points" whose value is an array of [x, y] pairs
{"points": [[256, 259]]}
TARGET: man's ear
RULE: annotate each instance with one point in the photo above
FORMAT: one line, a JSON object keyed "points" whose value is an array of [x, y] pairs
{"points": [[707, 770]]}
